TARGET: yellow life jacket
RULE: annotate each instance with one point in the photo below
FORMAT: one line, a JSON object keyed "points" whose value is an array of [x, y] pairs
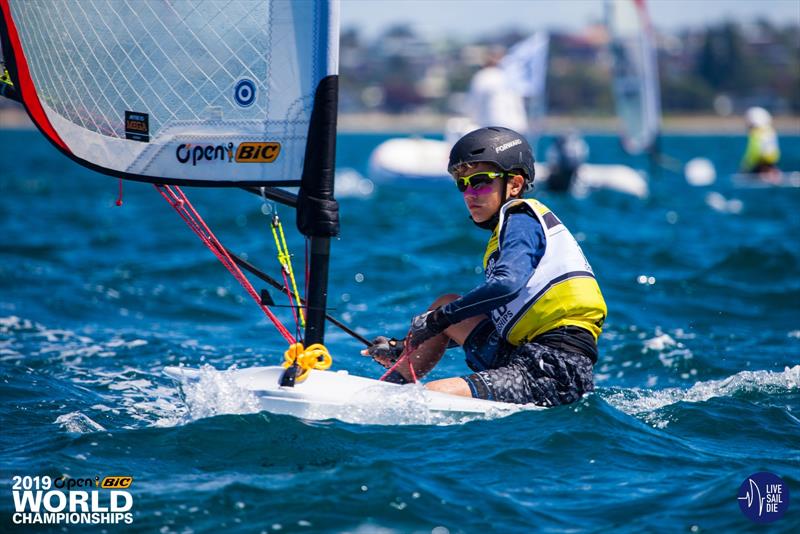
{"points": [[762, 148], [562, 290]]}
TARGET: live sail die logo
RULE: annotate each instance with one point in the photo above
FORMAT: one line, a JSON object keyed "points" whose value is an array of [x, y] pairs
{"points": [[43, 500], [137, 126], [763, 497]]}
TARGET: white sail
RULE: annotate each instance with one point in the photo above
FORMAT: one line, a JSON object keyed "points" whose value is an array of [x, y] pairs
{"points": [[635, 74], [209, 93], [525, 66]]}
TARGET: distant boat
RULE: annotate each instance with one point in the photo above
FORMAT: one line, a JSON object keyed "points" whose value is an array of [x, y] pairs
{"points": [[410, 158], [525, 66], [766, 180], [418, 159], [634, 75]]}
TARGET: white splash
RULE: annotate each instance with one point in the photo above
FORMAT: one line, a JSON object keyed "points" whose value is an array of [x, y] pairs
{"points": [[215, 393], [78, 423], [668, 348], [659, 342]]}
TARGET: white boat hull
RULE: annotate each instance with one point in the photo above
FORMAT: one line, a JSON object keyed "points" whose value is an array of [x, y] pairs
{"points": [[756, 181], [329, 394]]}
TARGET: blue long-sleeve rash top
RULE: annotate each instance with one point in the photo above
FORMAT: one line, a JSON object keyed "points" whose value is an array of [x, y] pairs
{"points": [[522, 245]]}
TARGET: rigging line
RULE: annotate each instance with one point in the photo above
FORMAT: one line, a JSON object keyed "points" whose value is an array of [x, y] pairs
{"points": [[216, 247], [292, 304], [403, 357], [285, 259], [211, 241], [307, 273], [180, 203], [246, 265]]}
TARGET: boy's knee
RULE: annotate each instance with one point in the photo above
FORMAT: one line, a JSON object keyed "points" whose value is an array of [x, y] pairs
{"points": [[444, 299]]}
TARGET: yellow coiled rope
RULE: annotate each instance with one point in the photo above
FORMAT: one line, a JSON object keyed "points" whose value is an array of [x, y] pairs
{"points": [[314, 357]]}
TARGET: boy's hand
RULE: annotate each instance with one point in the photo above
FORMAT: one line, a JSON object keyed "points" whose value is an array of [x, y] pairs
{"points": [[384, 350], [426, 326]]}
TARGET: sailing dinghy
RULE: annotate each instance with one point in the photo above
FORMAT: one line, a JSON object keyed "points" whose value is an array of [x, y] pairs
{"points": [[240, 94], [635, 75]]}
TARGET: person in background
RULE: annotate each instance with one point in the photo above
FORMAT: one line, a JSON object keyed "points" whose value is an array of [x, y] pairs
{"points": [[762, 154], [493, 100], [565, 155], [529, 331]]}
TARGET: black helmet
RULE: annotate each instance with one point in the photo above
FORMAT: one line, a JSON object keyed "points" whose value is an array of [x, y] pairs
{"points": [[494, 144]]}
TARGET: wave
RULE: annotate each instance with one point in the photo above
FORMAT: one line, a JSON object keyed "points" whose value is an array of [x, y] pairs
{"points": [[114, 378], [641, 402]]}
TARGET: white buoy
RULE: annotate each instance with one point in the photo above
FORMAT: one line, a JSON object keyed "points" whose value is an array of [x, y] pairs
{"points": [[700, 172]]}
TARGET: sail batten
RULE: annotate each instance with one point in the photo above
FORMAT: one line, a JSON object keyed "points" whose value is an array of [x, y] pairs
{"points": [[203, 93]]}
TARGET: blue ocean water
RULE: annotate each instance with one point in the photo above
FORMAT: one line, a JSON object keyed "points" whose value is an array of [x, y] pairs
{"points": [[698, 382]]}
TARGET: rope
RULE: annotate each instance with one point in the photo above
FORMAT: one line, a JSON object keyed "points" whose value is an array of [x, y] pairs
{"points": [[180, 203], [307, 270], [119, 198], [400, 360], [314, 357], [291, 302], [285, 259]]}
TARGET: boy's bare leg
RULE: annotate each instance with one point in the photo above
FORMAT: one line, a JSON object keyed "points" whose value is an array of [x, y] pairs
{"points": [[453, 386]]}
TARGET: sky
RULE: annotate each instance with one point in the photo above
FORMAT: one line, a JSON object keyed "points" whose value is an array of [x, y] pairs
{"points": [[462, 18]]}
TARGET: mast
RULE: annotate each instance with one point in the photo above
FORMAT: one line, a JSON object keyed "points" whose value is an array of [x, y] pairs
{"points": [[317, 210]]}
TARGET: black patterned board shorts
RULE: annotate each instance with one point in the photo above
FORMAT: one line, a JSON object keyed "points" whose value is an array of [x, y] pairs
{"points": [[530, 373]]}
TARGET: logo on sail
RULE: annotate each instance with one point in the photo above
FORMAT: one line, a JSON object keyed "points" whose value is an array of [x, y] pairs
{"points": [[257, 152], [137, 126], [197, 153], [245, 93], [247, 152]]}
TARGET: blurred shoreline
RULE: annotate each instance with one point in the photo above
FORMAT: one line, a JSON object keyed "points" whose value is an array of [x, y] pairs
{"points": [[430, 123]]}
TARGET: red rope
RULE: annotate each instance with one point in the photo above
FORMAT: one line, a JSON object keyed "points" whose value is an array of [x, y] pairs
{"points": [[400, 360], [178, 200], [413, 374], [119, 198], [291, 300]]}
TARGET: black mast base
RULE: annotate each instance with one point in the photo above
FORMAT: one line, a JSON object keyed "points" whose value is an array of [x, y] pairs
{"points": [[289, 376]]}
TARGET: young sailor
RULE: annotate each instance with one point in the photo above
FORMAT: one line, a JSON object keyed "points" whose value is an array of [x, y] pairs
{"points": [[762, 154], [530, 330]]}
